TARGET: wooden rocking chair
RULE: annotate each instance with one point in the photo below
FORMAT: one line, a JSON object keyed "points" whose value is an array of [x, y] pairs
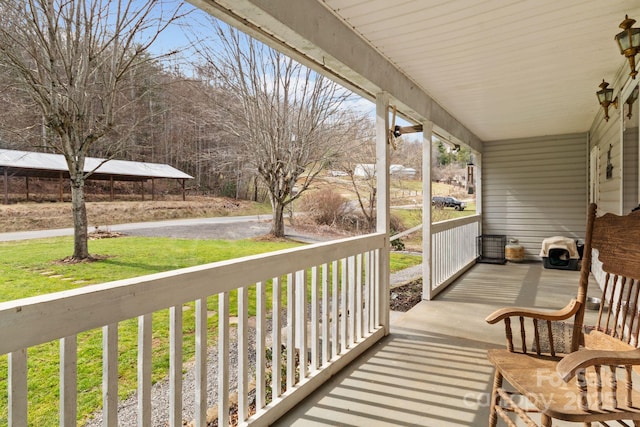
{"points": [[592, 380]]}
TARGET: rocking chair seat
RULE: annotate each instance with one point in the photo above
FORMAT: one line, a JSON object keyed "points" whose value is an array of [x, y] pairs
{"points": [[535, 377]]}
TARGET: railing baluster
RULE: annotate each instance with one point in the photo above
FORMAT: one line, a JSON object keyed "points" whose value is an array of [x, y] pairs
{"points": [[445, 244], [334, 309], [201, 362], [301, 327], [376, 289], [175, 366], [436, 261], [68, 381], [276, 384], [18, 388], [449, 245], [344, 311], [223, 359], [373, 286], [261, 360], [144, 370], [326, 316], [359, 309], [351, 313], [367, 293], [291, 330], [315, 317], [110, 375], [243, 355]]}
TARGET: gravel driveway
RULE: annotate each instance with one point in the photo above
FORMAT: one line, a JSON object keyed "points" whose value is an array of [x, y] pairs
{"points": [[234, 231], [207, 229]]}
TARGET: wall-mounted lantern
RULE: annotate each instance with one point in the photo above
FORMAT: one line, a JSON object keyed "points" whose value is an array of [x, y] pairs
{"points": [[629, 42], [605, 98]]}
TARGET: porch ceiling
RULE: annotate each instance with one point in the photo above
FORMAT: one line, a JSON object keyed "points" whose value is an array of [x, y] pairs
{"points": [[504, 68], [501, 68]]}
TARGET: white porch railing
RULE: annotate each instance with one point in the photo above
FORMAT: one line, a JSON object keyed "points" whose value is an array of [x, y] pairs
{"points": [[333, 313], [453, 250]]}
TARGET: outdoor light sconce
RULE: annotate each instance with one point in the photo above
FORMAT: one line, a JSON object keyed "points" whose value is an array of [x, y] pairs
{"points": [[605, 98], [629, 42]]}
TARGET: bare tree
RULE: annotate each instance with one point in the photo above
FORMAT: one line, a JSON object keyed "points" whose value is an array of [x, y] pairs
{"points": [[74, 59], [287, 118], [360, 168], [409, 153]]}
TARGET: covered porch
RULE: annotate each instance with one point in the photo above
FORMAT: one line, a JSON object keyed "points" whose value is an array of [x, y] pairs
{"points": [[489, 75]]}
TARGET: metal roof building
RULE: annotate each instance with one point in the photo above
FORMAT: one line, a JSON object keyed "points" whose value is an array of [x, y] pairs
{"points": [[15, 163]]}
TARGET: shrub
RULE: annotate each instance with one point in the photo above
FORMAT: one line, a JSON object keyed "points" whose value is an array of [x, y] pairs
{"points": [[325, 207], [397, 245]]}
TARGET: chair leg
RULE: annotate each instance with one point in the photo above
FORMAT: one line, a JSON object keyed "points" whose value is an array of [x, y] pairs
{"points": [[495, 399], [546, 420]]}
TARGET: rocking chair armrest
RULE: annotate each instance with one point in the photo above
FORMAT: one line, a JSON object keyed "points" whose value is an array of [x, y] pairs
{"points": [[571, 363], [562, 314]]}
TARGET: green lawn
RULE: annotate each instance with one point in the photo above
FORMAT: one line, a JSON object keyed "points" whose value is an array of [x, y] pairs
{"points": [[29, 268]]}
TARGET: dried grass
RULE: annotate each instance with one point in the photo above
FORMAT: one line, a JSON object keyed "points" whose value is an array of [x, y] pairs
{"points": [[39, 216]]}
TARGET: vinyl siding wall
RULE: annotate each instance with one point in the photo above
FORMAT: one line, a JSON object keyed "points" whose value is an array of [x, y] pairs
{"points": [[535, 188], [606, 136], [630, 151], [630, 175], [619, 193]]}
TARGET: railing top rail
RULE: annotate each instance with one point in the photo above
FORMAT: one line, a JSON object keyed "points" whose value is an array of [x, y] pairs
{"points": [[405, 233], [449, 224], [440, 226], [56, 315]]}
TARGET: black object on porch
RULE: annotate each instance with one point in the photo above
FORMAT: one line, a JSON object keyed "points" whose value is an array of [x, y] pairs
{"points": [[490, 248]]}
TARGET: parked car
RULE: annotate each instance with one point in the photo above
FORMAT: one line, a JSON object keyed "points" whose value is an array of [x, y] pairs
{"points": [[448, 202]]}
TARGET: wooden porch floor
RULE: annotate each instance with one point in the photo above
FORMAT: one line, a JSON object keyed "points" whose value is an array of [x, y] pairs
{"points": [[431, 370]]}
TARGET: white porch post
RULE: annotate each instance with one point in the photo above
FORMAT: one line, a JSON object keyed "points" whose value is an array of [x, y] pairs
{"points": [[383, 201], [427, 132]]}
